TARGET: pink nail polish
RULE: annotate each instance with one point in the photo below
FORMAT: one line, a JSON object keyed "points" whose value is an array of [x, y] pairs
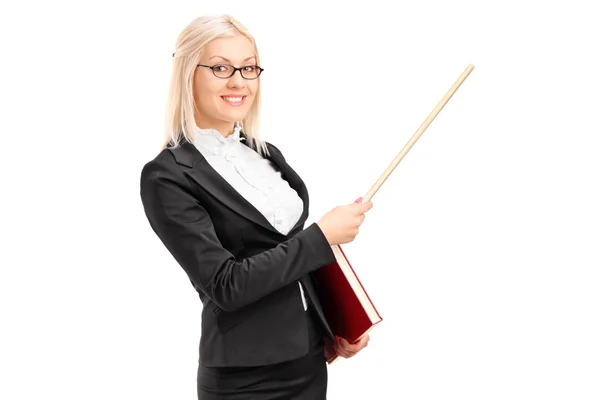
{"points": [[359, 200]]}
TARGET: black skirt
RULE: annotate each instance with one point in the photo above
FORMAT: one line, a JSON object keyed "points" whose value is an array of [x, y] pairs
{"points": [[304, 378]]}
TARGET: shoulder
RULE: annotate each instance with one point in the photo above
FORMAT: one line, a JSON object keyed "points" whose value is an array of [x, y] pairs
{"points": [[163, 166], [273, 149]]}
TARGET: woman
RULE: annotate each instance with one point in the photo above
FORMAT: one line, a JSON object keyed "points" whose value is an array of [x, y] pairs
{"points": [[231, 211]]}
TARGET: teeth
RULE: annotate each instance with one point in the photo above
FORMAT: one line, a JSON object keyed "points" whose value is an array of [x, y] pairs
{"points": [[233, 99]]}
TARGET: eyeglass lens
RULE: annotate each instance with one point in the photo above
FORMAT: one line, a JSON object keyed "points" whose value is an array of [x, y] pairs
{"points": [[225, 71]]}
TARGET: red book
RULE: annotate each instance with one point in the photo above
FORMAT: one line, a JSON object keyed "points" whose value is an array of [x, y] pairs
{"points": [[346, 304]]}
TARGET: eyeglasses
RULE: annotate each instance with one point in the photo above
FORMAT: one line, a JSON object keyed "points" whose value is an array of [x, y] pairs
{"points": [[225, 71]]}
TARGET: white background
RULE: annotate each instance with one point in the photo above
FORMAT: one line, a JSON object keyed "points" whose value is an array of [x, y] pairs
{"points": [[481, 251]]}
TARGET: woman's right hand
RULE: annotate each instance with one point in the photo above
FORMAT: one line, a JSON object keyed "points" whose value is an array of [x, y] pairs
{"points": [[341, 224]]}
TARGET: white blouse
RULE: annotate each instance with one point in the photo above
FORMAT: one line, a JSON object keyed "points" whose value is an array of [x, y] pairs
{"points": [[252, 176]]}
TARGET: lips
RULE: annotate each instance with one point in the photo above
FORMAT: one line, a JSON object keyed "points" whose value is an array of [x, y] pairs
{"points": [[234, 100]]}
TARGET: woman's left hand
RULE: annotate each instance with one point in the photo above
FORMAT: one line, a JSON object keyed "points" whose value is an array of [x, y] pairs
{"points": [[347, 350]]}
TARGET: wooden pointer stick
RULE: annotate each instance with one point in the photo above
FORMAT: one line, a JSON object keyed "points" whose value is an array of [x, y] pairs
{"points": [[417, 134]]}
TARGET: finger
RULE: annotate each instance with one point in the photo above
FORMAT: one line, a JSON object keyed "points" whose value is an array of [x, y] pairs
{"points": [[363, 344], [345, 354], [344, 348], [355, 348], [349, 346], [349, 350], [364, 341], [340, 351]]}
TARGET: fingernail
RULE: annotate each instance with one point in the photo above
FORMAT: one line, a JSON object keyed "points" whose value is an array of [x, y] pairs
{"points": [[359, 200]]}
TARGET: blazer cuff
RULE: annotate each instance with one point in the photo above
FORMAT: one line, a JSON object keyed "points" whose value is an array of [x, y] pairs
{"points": [[319, 245]]}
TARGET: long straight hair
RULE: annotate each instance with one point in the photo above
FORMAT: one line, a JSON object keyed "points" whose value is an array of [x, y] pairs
{"points": [[191, 44]]}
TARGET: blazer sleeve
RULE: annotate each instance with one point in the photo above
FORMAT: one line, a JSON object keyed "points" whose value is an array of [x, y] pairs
{"points": [[186, 229]]}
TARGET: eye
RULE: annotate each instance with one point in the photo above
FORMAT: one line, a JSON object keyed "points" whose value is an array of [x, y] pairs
{"points": [[250, 68], [221, 68]]}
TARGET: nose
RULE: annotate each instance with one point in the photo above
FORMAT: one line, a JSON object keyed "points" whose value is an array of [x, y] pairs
{"points": [[236, 80]]}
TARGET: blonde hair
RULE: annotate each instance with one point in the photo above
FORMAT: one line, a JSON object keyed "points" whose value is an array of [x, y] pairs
{"points": [[190, 46]]}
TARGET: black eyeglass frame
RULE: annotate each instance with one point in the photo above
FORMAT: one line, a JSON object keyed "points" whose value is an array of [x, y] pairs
{"points": [[235, 69]]}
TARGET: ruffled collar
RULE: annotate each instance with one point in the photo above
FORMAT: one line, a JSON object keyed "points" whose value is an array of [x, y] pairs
{"points": [[213, 141]]}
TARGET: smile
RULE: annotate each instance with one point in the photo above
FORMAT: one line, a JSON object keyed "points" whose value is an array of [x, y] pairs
{"points": [[234, 100]]}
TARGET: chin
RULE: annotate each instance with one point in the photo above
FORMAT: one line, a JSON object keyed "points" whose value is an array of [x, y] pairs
{"points": [[230, 113], [233, 117]]}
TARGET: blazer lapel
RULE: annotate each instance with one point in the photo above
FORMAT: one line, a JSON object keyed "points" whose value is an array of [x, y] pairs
{"points": [[202, 173]]}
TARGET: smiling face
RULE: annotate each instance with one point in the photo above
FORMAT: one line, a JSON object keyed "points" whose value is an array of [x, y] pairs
{"points": [[221, 102]]}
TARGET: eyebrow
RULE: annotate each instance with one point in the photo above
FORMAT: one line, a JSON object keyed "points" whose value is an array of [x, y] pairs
{"points": [[249, 58]]}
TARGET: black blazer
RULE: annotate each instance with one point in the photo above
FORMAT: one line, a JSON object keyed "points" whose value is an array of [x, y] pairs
{"points": [[244, 270]]}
